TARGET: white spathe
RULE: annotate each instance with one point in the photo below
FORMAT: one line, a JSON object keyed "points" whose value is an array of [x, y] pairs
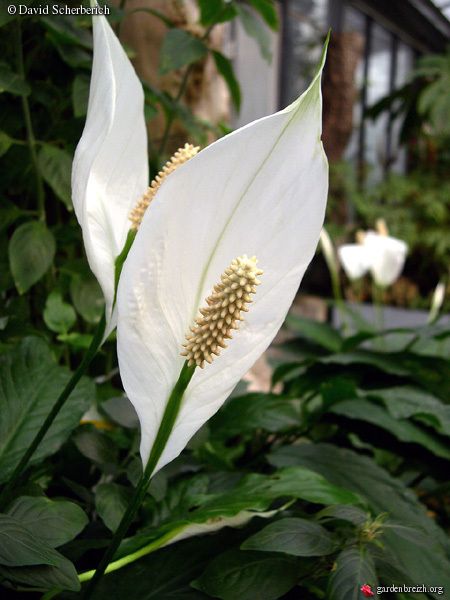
{"points": [[354, 259], [259, 191], [386, 257], [110, 168]]}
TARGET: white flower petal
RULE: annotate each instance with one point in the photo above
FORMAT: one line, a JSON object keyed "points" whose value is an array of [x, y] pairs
{"points": [[354, 259], [110, 168], [259, 191], [387, 257]]}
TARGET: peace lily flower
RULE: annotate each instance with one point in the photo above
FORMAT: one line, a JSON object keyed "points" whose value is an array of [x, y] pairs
{"points": [[110, 168], [230, 233], [384, 256]]}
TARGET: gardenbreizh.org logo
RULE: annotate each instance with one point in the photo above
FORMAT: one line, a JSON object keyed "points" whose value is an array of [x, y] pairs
{"points": [[367, 590]]}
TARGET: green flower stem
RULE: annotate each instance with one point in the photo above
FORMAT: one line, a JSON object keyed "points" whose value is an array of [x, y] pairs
{"points": [[377, 294], [91, 352], [168, 421], [129, 558], [181, 90], [29, 127]]}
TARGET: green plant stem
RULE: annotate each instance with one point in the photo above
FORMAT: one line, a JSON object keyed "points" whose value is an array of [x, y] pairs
{"points": [[377, 294], [171, 117], [129, 558], [91, 352], [29, 126], [170, 414], [188, 71]]}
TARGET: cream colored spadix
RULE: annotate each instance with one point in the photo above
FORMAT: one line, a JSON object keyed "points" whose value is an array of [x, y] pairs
{"points": [[180, 157], [223, 311], [259, 191], [110, 168]]}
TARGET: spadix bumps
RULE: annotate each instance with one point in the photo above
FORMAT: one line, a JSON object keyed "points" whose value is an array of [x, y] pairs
{"points": [[223, 313], [181, 156]]}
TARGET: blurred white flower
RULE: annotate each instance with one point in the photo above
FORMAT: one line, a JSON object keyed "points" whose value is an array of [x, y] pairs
{"points": [[354, 259], [384, 256]]}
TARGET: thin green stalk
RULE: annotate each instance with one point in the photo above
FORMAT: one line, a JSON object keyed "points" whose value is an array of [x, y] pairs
{"points": [[170, 414], [29, 126], [129, 558], [377, 295], [171, 117], [91, 352]]}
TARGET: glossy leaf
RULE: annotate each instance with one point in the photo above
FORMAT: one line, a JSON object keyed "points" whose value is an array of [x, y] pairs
{"points": [[111, 501], [56, 522], [225, 68], [31, 382], [256, 29], [31, 250], [354, 568], [297, 537], [12, 82], [404, 430], [55, 166], [248, 575], [58, 315], [179, 49]]}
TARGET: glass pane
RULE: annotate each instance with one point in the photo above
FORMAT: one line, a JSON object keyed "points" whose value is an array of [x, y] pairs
{"points": [[377, 87], [303, 29], [405, 64]]}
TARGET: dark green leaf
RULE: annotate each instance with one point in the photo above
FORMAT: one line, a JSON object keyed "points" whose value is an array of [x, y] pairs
{"points": [[87, 297], [298, 537], [352, 514], [56, 168], [404, 430], [248, 575], [404, 402], [78, 341], [56, 522], [80, 95], [12, 82], [121, 411], [66, 30], [19, 547], [180, 48], [166, 574], [31, 251], [74, 56], [320, 333], [5, 143], [255, 411], [216, 11], [385, 495], [354, 568], [267, 10], [43, 577], [96, 446], [58, 315], [256, 29], [225, 68], [111, 501], [31, 383]]}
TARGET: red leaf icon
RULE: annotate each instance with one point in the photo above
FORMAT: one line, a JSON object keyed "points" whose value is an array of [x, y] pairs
{"points": [[367, 590]]}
